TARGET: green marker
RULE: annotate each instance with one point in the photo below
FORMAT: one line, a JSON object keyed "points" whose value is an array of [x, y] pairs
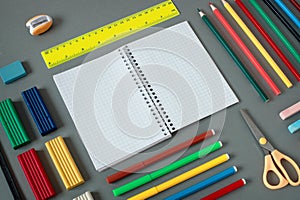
{"points": [[276, 30], [167, 169]]}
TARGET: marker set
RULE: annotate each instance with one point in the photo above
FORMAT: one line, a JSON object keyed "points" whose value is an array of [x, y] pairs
{"points": [[206, 151]]}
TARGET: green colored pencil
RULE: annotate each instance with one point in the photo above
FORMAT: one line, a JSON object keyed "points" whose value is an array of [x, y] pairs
{"points": [[276, 30], [167, 169], [258, 89]]}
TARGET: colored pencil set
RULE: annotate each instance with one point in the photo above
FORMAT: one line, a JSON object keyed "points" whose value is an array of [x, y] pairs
{"points": [[247, 52]]}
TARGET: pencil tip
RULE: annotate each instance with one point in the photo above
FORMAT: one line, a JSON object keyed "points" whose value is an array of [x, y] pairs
{"points": [[212, 6], [198, 10], [201, 13], [223, 1]]}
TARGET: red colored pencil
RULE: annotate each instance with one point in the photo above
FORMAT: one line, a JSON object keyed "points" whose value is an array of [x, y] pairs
{"points": [[141, 165], [268, 39], [245, 49], [225, 190], [296, 4]]}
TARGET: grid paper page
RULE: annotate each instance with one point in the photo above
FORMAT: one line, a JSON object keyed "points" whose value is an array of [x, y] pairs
{"points": [[187, 85], [109, 110]]}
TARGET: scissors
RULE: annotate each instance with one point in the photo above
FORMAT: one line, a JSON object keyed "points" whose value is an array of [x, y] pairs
{"points": [[272, 158]]}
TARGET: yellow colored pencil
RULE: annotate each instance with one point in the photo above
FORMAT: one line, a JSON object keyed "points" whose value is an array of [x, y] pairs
{"points": [[182, 177], [258, 45]]}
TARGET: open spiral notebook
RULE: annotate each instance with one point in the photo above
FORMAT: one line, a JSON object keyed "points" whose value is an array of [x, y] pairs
{"points": [[138, 95]]}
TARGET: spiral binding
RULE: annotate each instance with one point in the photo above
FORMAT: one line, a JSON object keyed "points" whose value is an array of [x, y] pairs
{"points": [[146, 89]]}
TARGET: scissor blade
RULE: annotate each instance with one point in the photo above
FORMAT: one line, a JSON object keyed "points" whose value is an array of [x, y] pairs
{"points": [[252, 126]]}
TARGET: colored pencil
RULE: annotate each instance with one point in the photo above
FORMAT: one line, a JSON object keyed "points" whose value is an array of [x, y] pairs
{"points": [[267, 37], [245, 49], [167, 169], [258, 89], [288, 12], [225, 190], [181, 178], [296, 4], [9, 176], [282, 19], [143, 164], [284, 40], [203, 184], [257, 44]]}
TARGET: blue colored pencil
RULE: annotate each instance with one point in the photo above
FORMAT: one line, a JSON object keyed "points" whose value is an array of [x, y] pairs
{"points": [[288, 12], [203, 184]]}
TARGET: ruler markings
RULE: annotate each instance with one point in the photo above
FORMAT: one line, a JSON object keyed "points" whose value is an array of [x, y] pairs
{"points": [[109, 33]]}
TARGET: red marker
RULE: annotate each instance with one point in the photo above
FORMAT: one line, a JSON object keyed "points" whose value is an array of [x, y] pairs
{"points": [[268, 39], [141, 165], [225, 190]]}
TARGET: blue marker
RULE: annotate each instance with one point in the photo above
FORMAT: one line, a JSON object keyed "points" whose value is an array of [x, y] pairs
{"points": [[203, 184], [288, 12], [294, 126]]}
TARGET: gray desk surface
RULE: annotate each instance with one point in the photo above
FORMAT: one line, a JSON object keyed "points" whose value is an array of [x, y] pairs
{"points": [[74, 17]]}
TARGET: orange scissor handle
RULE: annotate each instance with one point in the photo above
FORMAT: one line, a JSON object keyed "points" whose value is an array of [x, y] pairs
{"points": [[278, 157], [270, 167]]}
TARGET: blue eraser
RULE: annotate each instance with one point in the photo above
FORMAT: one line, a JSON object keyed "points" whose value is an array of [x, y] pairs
{"points": [[294, 126], [12, 72], [39, 111]]}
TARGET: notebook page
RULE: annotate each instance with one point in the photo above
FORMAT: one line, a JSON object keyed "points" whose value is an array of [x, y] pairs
{"points": [[187, 85], [106, 103]]}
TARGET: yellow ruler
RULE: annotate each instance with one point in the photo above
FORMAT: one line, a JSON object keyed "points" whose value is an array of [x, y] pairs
{"points": [[109, 33]]}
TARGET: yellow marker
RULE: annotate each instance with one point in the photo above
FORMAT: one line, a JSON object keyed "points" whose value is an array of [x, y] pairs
{"points": [[258, 45], [109, 33], [64, 162], [179, 179]]}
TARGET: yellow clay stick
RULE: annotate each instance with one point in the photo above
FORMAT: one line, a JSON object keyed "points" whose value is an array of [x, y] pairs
{"points": [[64, 163]]}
